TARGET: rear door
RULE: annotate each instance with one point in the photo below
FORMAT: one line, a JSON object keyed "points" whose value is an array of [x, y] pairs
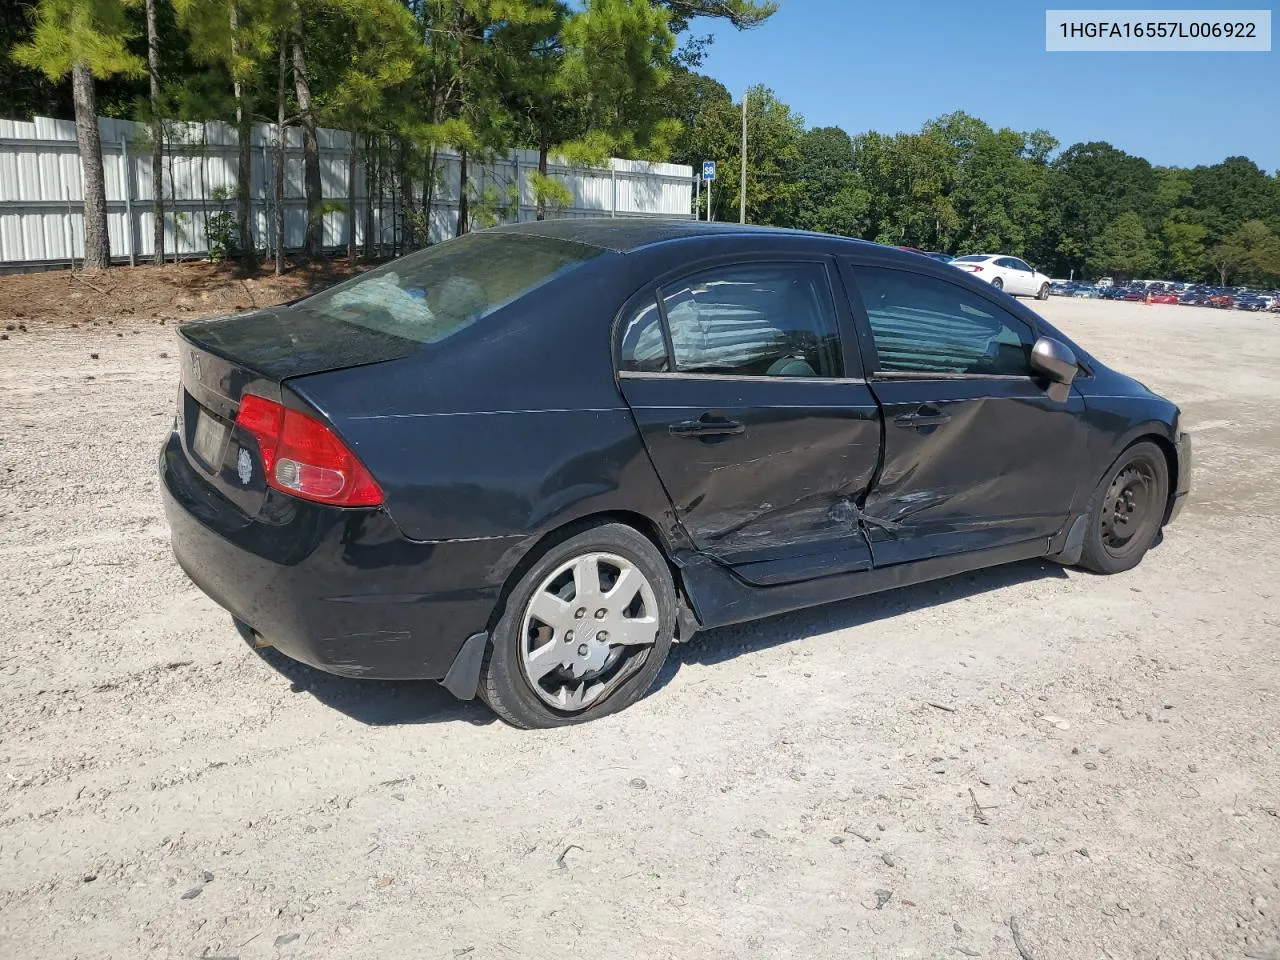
{"points": [[754, 413], [977, 454], [1016, 280]]}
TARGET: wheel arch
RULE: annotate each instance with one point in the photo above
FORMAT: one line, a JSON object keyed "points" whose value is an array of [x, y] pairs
{"points": [[535, 547]]}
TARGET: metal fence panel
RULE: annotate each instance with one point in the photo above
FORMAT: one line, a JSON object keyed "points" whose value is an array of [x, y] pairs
{"points": [[42, 210]]}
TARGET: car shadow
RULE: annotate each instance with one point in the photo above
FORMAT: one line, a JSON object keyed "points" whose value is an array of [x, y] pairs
{"points": [[376, 703], [399, 702], [724, 643]]}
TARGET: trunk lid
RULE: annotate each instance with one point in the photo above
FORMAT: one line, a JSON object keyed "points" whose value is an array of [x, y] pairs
{"points": [[223, 359]]}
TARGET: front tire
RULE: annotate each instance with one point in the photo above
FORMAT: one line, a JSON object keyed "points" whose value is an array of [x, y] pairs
{"points": [[1127, 510], [1043, 292], [997, 283], [583, 633]]}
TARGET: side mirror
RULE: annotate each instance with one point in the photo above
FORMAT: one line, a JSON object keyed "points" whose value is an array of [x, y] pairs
{"points": [[1057, 362], [1054, 359]]}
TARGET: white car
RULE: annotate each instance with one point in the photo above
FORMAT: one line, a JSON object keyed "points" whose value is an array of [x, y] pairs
{"points": [[1010, 274]]}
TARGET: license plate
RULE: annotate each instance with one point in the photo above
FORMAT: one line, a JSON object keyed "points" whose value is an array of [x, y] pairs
{"points": [[210, 434]]}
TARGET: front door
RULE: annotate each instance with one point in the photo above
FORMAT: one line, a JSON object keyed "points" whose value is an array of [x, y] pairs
{"points": [[977, 454], [738, 380]]}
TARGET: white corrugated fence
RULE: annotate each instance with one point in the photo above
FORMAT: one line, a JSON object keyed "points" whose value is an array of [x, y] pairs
{"points": [[41, 210]]}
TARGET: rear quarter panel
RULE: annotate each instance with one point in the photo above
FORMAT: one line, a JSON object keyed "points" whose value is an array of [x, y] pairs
{"points": [[510, 428]]}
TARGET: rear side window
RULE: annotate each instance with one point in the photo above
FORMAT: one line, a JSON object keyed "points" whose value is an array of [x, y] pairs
{"points": [[643, 349], [432, 294], [924, 325], [758, 320]]}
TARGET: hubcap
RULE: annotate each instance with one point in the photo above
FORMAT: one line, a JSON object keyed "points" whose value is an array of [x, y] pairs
{"points": [[572, 661]]}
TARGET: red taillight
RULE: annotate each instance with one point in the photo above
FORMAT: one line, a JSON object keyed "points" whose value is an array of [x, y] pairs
{"points": [[261, 418], [973, 267], [304, 457]]}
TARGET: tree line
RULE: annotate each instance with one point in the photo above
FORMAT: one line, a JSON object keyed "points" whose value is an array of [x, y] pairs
{"points": [[582, 80], [610, 77], [960, 186]]}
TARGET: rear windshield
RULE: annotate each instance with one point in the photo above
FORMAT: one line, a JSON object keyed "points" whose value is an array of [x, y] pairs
{"points": [[971, 259], [432, 294]]}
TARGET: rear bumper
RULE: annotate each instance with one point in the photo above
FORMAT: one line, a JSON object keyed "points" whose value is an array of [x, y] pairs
{"points": [[1183, 485], [341, 590]]}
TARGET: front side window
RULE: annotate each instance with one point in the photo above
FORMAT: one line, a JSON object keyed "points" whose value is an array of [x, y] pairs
{"points": [[923, 325], [760, 320]]}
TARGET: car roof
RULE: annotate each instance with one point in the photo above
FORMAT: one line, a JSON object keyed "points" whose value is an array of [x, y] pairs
{"points": [[625, 234]]}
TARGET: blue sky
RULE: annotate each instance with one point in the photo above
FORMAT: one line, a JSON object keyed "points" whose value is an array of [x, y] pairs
{"points": [[891, 66]]}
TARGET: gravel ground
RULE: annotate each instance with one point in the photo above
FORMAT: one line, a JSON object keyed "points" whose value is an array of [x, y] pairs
{"points": [[1027, 762]]}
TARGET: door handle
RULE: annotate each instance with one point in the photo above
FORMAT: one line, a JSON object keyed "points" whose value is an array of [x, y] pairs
{"points": [[707, 427], [924, 417]]}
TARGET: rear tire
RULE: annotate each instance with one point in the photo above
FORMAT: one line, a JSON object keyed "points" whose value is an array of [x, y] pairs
{"points": [[1127, 510], [1043, 292], [555, 659], [998, 283]]}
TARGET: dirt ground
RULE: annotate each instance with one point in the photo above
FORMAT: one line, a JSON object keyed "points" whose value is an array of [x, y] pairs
{"points": [[149, 295], [1091, 762]]}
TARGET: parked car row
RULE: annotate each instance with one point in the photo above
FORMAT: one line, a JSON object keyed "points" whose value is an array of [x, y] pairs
{"points": [[1186, 294], [1019, 278]]}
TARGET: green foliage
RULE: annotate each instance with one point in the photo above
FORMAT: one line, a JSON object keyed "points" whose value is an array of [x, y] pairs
{"points": [[375, 49], [1091, 185], [92, 32], [743, 14], [494, 204], [833, 198], [1251, 252], [239, 51], [775, 136], [25, 92], [1123, 249], [220, 235], [1233, 192], [1184, 251], [550, 192], [221, 228]]}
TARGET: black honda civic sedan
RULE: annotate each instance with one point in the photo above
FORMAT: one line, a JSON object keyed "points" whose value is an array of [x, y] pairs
{"points": [[526, 461]]}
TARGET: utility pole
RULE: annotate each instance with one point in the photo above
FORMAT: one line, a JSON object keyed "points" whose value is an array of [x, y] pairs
{"points": [[742, 190]]}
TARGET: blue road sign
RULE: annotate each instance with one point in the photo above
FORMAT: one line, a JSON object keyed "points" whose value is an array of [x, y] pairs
{"points": [[708, 169]]}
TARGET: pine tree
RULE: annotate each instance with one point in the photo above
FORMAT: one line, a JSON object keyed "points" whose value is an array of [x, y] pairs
{"points": [[236, 35], [157, 134], [584, 84], [85, 38]]}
